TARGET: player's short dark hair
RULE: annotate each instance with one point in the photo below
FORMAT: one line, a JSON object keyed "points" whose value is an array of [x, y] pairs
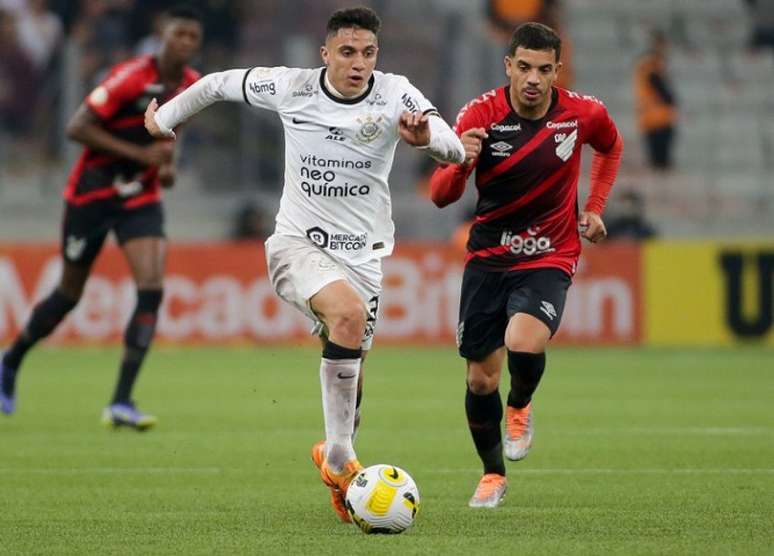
{"points": [[535, 36], [184, 11], [359, 17]]}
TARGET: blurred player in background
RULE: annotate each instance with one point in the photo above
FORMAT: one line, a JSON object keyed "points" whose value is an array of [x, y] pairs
{"points": [[342, 123], [115, 186], [524, 141]]}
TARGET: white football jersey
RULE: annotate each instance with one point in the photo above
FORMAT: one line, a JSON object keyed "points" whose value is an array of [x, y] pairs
{"points": [[338, 151]]}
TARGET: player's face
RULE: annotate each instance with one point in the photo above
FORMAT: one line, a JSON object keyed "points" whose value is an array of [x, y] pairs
{"points": [[350, 56], [182, 39], [532, 73]]}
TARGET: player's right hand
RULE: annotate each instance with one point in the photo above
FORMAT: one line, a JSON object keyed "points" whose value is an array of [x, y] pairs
{"points": [[158, 153], [152, 126], [472, 140]]}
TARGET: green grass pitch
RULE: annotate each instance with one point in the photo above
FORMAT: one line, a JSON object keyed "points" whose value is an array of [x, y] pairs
{"points": [[636, 452]]}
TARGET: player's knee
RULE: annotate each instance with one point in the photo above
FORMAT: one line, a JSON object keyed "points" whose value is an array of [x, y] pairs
{"points": [[526, 342], [348, 324], [73, 283], [152, 280], [481, 383], [526, 345], [71, 291]]}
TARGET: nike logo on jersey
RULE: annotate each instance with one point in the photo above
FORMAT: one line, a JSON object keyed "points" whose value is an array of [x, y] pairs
{"points": [[297, 121], [344, 377]]}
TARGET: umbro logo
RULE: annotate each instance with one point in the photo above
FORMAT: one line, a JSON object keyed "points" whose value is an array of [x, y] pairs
{"points": [[548, 309], [501, 148]]}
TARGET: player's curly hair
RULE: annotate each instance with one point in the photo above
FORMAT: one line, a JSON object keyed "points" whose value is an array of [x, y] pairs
{"points": [[360, 17], [535, 36], [184, 11]]}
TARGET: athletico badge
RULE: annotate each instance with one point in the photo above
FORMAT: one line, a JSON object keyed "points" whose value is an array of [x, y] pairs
{"points": [[369, 128], [74, 247], [99, 96], [566, 144]]}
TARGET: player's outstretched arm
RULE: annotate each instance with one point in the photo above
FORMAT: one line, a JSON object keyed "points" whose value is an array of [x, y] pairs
{"points": [[85, 128], [431, 132], [215, 87]]}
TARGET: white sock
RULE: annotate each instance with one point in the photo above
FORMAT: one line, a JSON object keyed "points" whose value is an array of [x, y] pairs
{"points": [[339, 394]]}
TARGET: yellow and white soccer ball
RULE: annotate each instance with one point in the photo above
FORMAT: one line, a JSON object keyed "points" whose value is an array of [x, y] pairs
{"points": [[383, 499]]}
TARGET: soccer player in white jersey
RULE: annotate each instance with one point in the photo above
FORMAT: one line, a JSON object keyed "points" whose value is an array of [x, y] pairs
{"points": [[342, 123]]}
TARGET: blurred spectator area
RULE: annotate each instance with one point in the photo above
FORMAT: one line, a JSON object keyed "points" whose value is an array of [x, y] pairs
{"points": [[233, 155]]}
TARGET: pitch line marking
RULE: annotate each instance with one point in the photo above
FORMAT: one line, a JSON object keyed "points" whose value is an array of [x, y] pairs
{"points": [[622, 471]]}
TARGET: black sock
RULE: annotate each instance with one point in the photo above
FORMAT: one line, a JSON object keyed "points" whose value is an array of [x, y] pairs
{"points": [[484, 416], [45, 318], [526, 370], [137, 339]]}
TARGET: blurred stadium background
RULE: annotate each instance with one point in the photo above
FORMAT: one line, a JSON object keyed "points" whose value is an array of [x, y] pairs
{"points": [[703, 212], [657, 443]]}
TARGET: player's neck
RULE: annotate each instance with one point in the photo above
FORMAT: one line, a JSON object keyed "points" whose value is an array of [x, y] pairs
{"points": [[169, 71], [335, 92], [530, 112]]}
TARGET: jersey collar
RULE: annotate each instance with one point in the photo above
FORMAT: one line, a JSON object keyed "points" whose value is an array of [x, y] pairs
{"points": [[551, 107], [353, 100]]}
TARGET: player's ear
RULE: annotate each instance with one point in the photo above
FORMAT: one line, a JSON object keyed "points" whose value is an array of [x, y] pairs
{"points": [[508, 65], [324, 54]]}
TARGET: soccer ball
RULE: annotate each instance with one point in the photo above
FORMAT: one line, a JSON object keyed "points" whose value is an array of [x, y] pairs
{"points": [[383, 499]]}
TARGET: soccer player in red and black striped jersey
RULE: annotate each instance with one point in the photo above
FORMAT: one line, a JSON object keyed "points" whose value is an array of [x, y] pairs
{"points": [[116, 186], [524, 142]]}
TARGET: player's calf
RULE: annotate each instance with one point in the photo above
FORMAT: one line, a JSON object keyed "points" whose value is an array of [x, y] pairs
{"points": [[137, 340], [526, 370]]}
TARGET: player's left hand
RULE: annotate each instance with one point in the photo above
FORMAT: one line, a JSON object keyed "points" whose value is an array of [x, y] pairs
{"points": [[591, 226], [152, 126], [414, 129], [167, 175]]}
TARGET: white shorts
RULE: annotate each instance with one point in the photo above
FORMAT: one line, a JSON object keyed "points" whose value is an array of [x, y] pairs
{"points": [[298, 269]]}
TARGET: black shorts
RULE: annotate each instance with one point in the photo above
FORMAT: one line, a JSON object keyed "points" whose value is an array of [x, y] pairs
{"points": [[84, 228], [490, 299]]}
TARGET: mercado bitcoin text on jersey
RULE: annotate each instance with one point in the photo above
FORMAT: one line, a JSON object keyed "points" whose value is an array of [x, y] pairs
{"points": [[338, 151], [527, 179], [119, 102]]}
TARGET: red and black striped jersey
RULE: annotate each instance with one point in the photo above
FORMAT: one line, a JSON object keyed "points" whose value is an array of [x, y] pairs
{"points": [[527, 179], [119, 102]]}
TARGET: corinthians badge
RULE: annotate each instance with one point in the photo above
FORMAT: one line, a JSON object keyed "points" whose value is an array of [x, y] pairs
{"points": [[369, 128]]}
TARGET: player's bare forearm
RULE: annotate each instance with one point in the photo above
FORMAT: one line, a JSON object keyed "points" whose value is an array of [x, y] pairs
{"points": [[84, 127]]}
